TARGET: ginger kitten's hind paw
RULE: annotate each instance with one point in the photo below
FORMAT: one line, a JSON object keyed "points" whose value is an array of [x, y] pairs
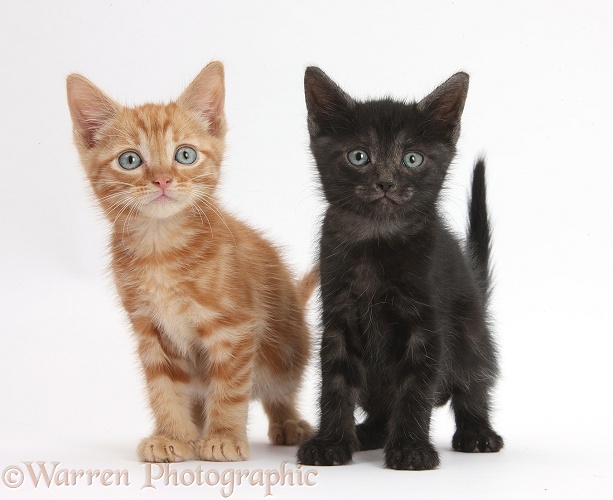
{"points": [[411, 456], [291, 432], [477, 441], [318, 451], [222, 448], [158, 448]]}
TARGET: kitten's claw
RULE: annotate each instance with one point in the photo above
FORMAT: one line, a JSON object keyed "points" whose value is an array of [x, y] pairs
{"points": [[222, 448], [158, 448], [291, 432], [411, 456], [318, 451], [477, 441]]}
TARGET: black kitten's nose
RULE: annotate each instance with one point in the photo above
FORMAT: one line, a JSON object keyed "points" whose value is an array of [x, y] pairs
{"points": [[385, 185]]}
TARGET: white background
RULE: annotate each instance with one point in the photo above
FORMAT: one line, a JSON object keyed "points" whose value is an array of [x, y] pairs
{"points": [[540, 106]]}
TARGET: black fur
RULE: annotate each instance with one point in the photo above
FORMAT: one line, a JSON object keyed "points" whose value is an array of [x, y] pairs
{"points": [[404, 306]]}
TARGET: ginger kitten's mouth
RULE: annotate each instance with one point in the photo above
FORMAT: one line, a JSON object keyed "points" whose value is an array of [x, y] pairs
{"points": [[162, 198], [162, 205]]}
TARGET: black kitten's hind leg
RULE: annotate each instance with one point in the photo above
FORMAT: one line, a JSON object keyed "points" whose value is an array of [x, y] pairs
{"points": [[474, 433], [470, 394], [375, 401]]}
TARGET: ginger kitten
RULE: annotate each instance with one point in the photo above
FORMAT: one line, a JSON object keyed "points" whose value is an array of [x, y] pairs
{"points": [[217, 316]]}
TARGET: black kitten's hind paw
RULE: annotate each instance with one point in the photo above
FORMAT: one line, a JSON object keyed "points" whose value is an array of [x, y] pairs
{"points": [[411, 456], [370, 437], [317, 451], [477, 441]]}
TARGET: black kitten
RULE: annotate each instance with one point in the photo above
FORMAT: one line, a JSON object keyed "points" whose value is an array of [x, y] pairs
{"points": [[404, 307]]}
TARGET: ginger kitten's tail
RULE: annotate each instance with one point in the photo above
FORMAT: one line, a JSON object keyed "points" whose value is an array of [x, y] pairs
{"points": [[307, 285], [479, 234]]}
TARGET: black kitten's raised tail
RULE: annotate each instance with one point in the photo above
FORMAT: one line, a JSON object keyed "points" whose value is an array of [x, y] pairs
{"points": [[479, 237]]}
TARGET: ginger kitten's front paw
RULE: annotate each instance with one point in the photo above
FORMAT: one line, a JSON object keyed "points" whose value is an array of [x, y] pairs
{"points": [[291, 432], [159, 448], [222, 448]]}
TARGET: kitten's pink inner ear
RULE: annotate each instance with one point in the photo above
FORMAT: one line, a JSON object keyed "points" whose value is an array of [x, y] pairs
{"points": [[89, 108], [205, 96]]}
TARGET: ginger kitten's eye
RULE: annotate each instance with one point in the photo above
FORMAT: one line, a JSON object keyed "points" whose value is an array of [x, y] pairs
{"points": [[412, 159], [129, 160], [358, 157], [186, 155]]}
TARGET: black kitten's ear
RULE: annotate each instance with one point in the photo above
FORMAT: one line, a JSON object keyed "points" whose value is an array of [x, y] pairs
{"points": [[444, 106], [325, 100]]}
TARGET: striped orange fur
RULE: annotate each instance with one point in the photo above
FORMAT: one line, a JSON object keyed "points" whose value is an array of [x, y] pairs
{"points": [[217, 316]]}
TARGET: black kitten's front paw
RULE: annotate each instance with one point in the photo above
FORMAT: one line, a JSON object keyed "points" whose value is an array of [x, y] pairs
{"points": [[318, 451], [411, 456], [477, 441]]}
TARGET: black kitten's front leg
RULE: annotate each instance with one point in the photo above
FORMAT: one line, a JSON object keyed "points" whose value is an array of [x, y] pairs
{"points": [[408, 445], [335, 440]]}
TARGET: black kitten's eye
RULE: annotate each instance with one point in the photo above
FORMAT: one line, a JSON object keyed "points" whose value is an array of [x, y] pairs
{"points": [[412, 159], [186, 155], [358, 157], [129, 160]]}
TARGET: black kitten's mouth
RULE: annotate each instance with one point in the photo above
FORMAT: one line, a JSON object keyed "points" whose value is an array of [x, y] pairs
{"points": [[385, 199], [382, 200]]}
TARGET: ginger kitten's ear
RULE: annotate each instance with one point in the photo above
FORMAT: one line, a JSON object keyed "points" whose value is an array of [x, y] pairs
{"points": [[444, 106], [205, 96], [325, 100], [90, 108]]}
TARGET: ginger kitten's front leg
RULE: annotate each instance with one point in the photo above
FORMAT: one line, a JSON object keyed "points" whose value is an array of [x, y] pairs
{"points": [[167, 379], [229, 377]]}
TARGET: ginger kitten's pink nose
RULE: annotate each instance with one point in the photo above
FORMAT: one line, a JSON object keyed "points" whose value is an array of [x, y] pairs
{"points": [[162, 182]]}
